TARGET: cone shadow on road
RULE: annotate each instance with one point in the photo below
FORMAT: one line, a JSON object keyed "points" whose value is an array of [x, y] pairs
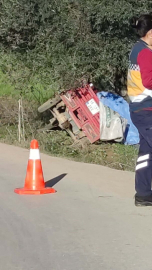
{"points": [[55, 180]]}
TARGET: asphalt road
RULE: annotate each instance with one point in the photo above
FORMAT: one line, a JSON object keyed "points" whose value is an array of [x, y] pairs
{"points": [[91, 222]]}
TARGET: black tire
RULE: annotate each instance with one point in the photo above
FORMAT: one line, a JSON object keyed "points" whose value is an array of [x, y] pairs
{"points": [[49, 104], [48, 127]]}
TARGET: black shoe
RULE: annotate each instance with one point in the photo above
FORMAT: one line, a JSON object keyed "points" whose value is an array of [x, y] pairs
{"points": [[143, 201]]}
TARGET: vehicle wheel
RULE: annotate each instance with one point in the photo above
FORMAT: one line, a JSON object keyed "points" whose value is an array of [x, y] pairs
{"points": [[48, 127], [49, 104]]}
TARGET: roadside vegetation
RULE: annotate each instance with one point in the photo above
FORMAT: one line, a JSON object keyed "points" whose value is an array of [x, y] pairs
{"points": [[56, 143], [51, 45]]}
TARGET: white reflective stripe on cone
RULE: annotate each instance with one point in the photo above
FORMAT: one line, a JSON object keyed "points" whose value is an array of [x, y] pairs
{"points": [[34, 154], [142, 158], [142, 165]]}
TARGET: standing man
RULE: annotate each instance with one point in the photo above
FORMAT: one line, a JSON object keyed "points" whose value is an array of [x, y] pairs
{"points": [[140, 94]]}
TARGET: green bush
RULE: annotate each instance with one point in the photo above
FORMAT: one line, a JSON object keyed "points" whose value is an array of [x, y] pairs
{"points": [[55, 44]]}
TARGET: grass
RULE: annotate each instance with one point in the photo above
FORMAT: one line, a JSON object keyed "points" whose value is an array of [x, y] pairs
{"points": [[6, 89], [16, 79], [59, 144]]}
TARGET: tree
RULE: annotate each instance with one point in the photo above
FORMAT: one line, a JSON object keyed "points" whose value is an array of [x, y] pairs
{"points": [[72, 39]]}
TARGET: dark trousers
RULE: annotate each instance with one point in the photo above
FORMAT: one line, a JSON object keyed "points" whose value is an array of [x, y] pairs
{"points": [[143, 121]]}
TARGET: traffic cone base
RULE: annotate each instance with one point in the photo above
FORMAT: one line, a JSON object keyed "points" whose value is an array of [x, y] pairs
{"points": [[23, 191], [34, 181]]}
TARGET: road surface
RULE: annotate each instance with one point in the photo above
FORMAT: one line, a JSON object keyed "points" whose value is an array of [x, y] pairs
{"points": [[91, 223]]}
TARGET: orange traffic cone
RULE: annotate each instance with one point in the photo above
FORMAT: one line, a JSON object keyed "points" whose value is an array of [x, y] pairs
{"points": [[34, 181]]}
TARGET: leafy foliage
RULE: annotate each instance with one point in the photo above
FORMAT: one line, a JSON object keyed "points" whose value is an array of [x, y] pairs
{"points": [[59, 43]]}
